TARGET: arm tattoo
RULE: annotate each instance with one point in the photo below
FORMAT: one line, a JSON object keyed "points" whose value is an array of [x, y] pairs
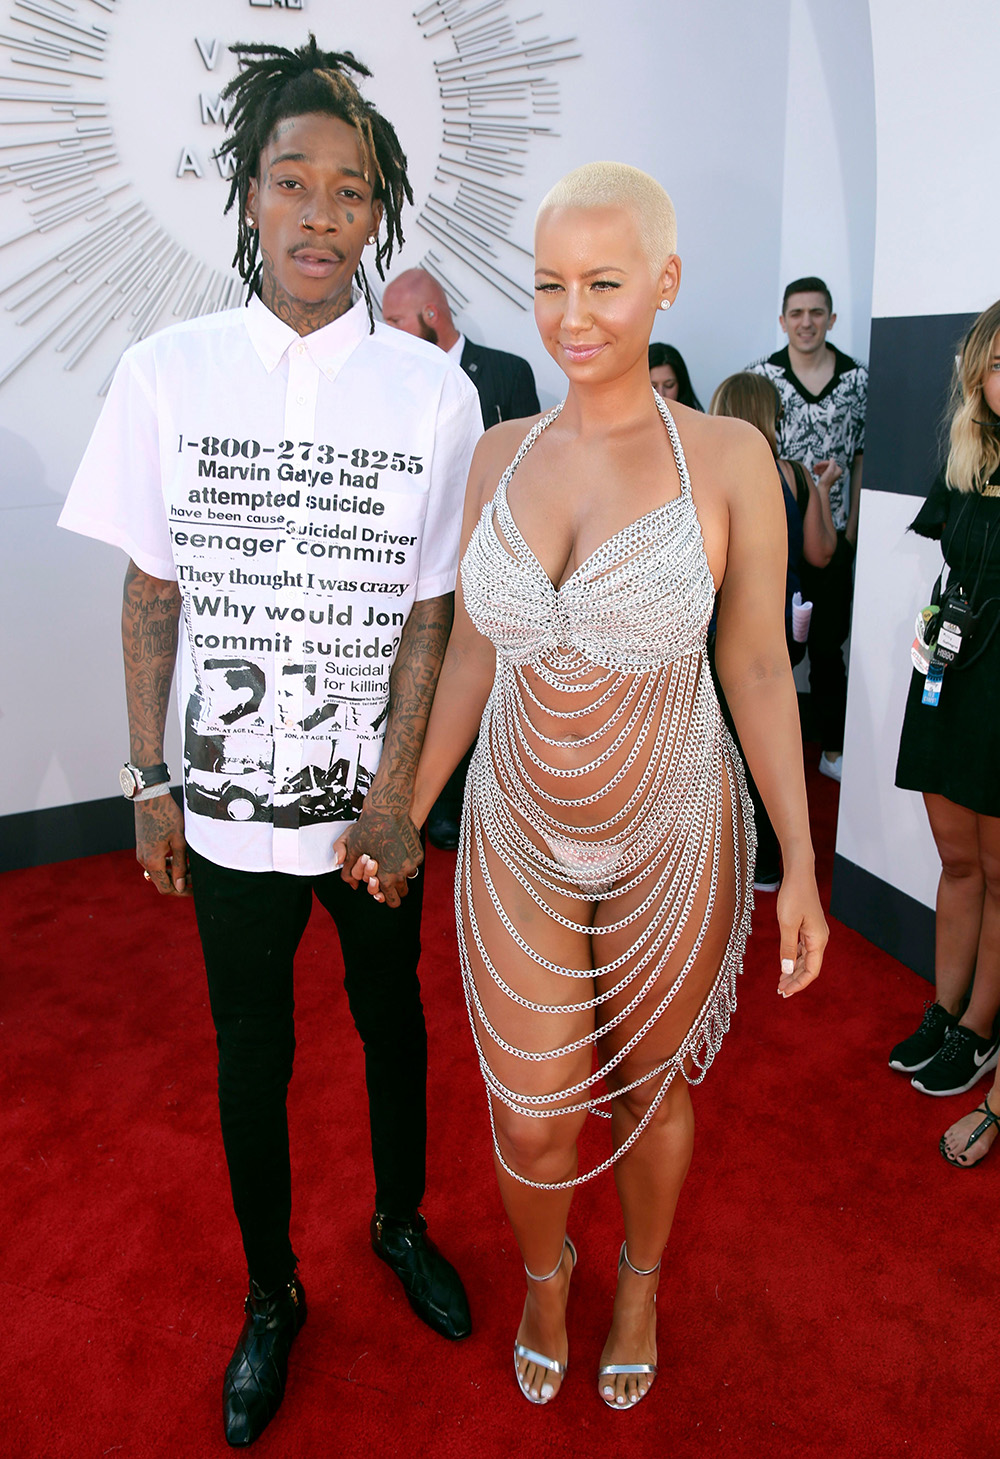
{"points": [[384, 829], [411, 693], [150, 617]]}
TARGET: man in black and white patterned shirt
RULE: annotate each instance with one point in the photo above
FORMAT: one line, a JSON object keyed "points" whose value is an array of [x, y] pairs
{"points": [[824, 396]]}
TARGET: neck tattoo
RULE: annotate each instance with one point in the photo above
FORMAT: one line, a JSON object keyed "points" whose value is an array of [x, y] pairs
{"points": [[304, 318]]}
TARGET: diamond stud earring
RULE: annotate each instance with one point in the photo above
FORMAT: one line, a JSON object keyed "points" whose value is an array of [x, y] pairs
{"points": [[664, 303]]}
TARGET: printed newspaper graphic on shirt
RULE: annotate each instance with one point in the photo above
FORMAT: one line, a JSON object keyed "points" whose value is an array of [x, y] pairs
{"points": [[318, 671], [304, 493]]}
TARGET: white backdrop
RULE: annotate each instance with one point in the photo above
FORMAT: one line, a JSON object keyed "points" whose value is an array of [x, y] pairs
{"points": [[938, 223], [758, 119]]}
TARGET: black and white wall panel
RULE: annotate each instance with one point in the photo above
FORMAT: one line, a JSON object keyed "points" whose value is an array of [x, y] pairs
{"points": [[936, 267]]}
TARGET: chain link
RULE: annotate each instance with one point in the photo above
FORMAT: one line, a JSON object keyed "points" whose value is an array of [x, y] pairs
{"points": [[622, 640]]}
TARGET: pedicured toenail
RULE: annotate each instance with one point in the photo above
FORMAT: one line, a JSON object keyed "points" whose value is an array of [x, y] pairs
{"points": [[547, 1390], [609, 1393], [619, 1399]]}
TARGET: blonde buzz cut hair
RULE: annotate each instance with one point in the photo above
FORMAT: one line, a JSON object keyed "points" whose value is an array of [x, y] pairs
{"points": [[616, 185]]}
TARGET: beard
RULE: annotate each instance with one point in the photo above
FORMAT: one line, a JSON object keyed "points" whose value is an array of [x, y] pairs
{"points": [[426, 332]]}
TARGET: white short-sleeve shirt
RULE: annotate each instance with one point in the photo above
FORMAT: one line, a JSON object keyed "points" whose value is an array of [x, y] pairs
{"points": [[303, 492]]}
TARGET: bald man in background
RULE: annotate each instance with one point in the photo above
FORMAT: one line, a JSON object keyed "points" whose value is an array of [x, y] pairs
{"points": [[416, 303]]}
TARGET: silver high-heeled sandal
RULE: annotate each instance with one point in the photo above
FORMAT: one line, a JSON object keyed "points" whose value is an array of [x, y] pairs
{"points": [[528, 1354], [615, 1370]]}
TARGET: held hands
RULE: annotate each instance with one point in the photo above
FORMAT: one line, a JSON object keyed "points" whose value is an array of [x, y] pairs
{"points": [[825, 473], [804, 933], [382, 849], [160, 847]]}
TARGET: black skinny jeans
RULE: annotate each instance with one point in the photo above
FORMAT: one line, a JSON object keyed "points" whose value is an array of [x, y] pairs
{"points": [[250, 925]]}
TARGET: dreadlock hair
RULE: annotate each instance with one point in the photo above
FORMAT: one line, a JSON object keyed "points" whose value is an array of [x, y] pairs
{"points": [[275, 83]]}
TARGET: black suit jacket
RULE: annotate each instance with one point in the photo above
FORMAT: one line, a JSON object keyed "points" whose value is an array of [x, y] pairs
{"points": [[505, 383]]}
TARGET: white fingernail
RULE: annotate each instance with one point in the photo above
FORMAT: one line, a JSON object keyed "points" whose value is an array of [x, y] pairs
{"points": [[787, 967]]}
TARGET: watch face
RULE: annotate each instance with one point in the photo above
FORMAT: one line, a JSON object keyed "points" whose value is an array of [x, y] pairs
{"points": [[128, 782]]}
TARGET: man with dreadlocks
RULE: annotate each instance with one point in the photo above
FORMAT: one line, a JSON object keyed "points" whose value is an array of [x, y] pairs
{"points": [[287, 480]]}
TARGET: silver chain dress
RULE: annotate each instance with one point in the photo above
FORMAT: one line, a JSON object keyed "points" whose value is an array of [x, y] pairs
{"points": [[618, 654]]}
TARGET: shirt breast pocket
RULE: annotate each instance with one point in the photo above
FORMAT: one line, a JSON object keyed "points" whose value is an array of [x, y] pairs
{"points": [[388, 537]]}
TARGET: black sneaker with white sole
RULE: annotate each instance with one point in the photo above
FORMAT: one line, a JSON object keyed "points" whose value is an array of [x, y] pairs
{"points": [[919, 1049], [962, 1060], [766, 878]]}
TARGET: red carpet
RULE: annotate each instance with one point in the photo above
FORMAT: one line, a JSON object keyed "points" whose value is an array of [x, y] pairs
{"points": [[827, 1290]]}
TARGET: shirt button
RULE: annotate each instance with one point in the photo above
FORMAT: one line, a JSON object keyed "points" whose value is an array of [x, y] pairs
{"points": [[300, 349], [300, 399]]}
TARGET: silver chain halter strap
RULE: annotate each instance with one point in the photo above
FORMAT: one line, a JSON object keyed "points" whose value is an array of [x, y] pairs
{"points": [[619, 645]]}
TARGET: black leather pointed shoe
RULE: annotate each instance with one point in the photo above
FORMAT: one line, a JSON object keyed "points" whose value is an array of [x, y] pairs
{"points": [[443, 828], [432, 1285], [254, 1384]]}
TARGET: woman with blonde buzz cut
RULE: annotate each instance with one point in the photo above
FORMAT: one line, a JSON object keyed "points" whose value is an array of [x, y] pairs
{"points": [[603, 893]]}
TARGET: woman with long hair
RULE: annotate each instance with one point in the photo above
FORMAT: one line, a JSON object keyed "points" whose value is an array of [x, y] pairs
{"points": [[950, 749], [603, 894], [810, 535], [669, 376]]}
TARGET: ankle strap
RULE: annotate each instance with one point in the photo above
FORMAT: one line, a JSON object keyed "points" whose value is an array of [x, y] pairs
{"points": [[638, 1270], [558, 1266]]}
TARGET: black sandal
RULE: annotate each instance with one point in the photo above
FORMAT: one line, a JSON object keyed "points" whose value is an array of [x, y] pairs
{"points": [[981, 1128]]}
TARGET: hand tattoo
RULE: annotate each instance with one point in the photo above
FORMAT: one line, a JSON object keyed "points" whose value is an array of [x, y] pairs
{"points": [[394, 842]]}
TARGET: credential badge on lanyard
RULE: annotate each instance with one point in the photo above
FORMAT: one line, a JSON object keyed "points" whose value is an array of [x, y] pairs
{"points": [[932, 685], [956, 618]]}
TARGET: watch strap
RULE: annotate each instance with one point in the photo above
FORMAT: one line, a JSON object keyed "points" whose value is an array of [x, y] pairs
{"points": [[134, 779], [151, 791]]}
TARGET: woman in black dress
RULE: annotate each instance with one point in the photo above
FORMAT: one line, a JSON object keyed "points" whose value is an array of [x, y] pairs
{"points": [[950, 751]]}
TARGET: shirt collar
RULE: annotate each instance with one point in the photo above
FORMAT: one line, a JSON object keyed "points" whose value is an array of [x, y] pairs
{"points": [[455, 353], [329, 348]]}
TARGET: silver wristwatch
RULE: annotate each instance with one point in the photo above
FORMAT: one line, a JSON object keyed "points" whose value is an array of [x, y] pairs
{"points": [[134, 779]]}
